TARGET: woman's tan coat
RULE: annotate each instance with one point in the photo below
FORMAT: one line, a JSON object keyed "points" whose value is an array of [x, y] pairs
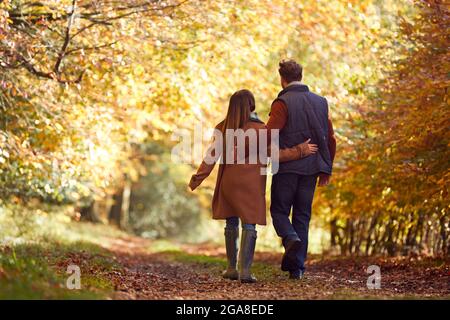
{"points": [[240, 188]]}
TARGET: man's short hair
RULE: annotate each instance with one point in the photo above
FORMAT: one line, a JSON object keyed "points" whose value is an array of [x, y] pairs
{"points": [[290, 70]]}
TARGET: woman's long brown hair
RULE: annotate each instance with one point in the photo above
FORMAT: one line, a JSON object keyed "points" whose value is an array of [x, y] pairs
{"points": [[239, 109]]}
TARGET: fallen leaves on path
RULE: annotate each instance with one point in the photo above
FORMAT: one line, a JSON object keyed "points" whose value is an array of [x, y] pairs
{"points": [[147, 275]]}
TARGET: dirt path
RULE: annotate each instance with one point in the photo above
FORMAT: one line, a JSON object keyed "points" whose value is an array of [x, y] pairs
{"points": [[194, 273]]}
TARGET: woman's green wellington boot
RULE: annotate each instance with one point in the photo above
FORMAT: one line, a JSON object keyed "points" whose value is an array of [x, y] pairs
{"points": [[246, 253], [231, 245]]}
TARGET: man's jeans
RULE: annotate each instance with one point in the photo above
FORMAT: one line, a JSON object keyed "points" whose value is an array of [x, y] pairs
{"points": [[233, 223], [291, 190]]}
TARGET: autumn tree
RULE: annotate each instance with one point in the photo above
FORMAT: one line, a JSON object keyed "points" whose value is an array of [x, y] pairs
{"points": [[392, 196]]}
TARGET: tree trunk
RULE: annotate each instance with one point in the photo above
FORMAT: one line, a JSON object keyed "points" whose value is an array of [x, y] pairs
{"points": [[333, 232], [443, 233], [373, 223], [125, 209], [119, 213], [352, 236], [87, 212], [91, 213]]}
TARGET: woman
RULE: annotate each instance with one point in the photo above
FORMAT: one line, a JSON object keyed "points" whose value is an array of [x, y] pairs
{"points": [[240, 187]]}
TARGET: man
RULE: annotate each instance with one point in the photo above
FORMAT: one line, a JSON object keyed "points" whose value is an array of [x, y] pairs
{"points": [[299, 115]]}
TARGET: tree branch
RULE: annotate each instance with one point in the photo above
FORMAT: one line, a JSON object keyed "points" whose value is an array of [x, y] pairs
{"points": [[68, 52], [95, 17], [49, 75], [66, 42], [136, 9]]}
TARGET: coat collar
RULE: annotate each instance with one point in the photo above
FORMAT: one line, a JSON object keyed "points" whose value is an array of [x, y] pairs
{"points": [[254, 117], [294, 87]]}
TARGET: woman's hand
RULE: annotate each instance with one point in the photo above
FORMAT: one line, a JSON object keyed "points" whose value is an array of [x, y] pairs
{"points": [[194, 183], [307, 148]]}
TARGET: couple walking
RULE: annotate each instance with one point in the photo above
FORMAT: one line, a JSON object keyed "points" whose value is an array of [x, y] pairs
{"points": [[306, 152]]}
